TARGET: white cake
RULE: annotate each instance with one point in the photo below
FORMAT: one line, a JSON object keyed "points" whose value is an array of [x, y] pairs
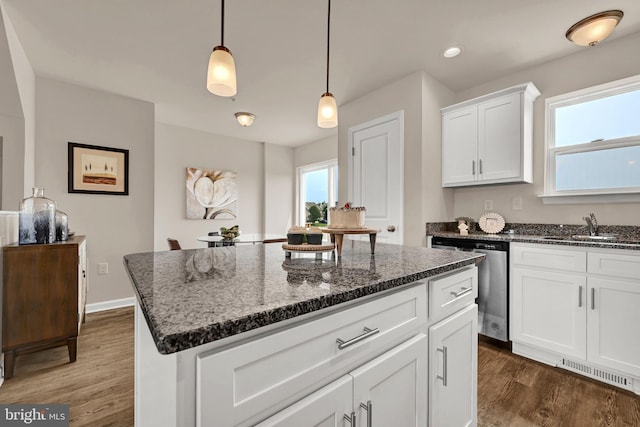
{"points": [[347, 217]]}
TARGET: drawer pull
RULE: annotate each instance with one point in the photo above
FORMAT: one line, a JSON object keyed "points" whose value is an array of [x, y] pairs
{"points": [[462, 292], [443, 350], [351, 419], [369, 408], [367, 333]]}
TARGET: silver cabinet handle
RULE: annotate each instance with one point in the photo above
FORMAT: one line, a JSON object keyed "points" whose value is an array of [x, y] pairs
{"points": [[480, 166], [367, 333], [462, 292], [473, 167], [351, 419], [593, 298], [579, 296], [369, 408], [443, 350]]}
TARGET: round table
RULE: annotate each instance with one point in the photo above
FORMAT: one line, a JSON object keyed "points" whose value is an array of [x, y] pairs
{"points": [[337, 236], [243, 238]]}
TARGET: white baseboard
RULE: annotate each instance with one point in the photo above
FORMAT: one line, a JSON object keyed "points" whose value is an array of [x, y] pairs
{"points": [[109, 305]]}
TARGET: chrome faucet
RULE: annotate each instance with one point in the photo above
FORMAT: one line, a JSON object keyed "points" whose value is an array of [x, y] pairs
{"points": [[592, 224]]}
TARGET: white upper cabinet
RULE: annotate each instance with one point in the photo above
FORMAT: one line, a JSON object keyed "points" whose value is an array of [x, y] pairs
{"points": [[488, 140]]}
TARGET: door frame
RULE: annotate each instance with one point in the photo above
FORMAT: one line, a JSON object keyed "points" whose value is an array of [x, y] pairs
{"points": [[399, 116]]}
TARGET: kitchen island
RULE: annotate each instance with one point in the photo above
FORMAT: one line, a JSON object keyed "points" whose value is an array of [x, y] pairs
{"points": [[242, 335]]}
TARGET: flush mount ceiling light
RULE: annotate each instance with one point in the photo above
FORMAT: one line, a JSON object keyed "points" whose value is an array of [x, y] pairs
{"points": [[327, 107], [595, 28], [452, 52], [221, 74], [245, 119]]}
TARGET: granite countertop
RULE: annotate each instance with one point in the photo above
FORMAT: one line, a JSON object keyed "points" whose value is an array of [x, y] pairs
{"points": [[621, 243], [192, 297]]}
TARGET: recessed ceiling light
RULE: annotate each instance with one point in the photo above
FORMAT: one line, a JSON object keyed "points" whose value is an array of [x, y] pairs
{"points": [[452, 52]]}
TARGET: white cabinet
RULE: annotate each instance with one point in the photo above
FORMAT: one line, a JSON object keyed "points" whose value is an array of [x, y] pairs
{"points": [[453, 373], [575, 308], [488, 140]]}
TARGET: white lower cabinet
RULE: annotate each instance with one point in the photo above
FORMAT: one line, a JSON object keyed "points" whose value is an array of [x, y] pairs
{"points": [[388, 391], [582, 316], [453, 372]]}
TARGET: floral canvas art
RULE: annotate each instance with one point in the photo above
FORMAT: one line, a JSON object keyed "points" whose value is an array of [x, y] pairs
{"points": [[211, 194]]}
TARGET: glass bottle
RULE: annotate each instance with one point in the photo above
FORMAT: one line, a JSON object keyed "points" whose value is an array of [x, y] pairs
{"points": [[37, 219], [62, 226]]}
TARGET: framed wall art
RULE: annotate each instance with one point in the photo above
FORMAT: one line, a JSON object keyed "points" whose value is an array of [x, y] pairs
{"points": [[211, 194], [98, 170]]}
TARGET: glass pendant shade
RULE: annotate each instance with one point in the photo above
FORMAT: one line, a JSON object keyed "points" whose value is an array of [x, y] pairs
{"points": [[327, 111], [592, 30], [221, 74]]}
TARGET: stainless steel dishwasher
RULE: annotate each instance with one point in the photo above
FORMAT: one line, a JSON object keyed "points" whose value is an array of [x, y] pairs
{"points": [[493, 282]]}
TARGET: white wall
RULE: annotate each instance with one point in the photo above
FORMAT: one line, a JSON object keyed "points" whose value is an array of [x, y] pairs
{"points": [[279, 188], [178, 148], [114, 225], [25, 79], [611, 60], [316, 152]]}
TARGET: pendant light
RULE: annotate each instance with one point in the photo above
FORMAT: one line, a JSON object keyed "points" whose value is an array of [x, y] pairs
{"points": [[221, 74], [595, 28], [327, 107]]}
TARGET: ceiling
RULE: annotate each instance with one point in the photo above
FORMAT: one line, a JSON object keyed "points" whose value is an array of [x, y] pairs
{"points": [[158, 50]]}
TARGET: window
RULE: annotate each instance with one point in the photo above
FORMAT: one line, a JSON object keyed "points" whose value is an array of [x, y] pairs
{"points": [[317, 191], [593, 142]]}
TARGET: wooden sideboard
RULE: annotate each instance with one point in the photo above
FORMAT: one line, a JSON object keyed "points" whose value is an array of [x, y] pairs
{"points": [[43, 298]]}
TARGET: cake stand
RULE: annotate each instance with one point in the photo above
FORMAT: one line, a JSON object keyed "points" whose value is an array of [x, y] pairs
{"points": [[306, 248], [337, 236]]}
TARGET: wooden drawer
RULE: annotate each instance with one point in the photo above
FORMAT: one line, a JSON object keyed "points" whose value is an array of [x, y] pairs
{"points": [[614, 264], [548, 258], [451, 293], [248, 382]]}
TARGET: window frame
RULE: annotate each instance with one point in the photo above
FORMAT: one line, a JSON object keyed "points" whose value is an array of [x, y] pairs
{"points": [[332, 166], [600, 195]]}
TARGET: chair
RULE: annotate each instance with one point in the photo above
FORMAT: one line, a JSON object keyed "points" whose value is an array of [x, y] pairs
{"points": [[174, 245]]}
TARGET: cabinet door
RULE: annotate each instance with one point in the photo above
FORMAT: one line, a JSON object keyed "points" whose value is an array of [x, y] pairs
{"points": [[459, 146], [453, 370], [500, 139], [324, 408], [392, 389], [613, 316], [548, 310]]}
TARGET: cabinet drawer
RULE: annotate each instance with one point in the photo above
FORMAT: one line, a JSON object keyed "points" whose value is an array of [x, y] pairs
{"points": [[614, 264], [250, 381], [451, 293], [559, 259]]}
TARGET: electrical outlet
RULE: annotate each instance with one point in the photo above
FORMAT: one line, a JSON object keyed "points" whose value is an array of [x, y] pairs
{"points": [[516, 203], [103, 268], [488, 205]]}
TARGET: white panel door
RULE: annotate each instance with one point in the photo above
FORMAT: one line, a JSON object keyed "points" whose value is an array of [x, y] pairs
{"points": [[548, 310], [453, 370], [500, 139], [613, 316], [377, 175], [323, 408], [460, 146], [392, 389]]}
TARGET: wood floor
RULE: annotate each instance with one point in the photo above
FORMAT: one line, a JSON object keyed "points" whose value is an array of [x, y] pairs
{"points": [[512, 391], [518, 392], [98, 387]]}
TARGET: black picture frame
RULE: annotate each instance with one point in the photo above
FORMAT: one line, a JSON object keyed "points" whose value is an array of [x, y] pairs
{"points": [[86, 173]]}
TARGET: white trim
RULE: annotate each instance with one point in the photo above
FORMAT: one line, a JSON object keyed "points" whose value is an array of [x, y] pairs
{"points": [[110, 305]]}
